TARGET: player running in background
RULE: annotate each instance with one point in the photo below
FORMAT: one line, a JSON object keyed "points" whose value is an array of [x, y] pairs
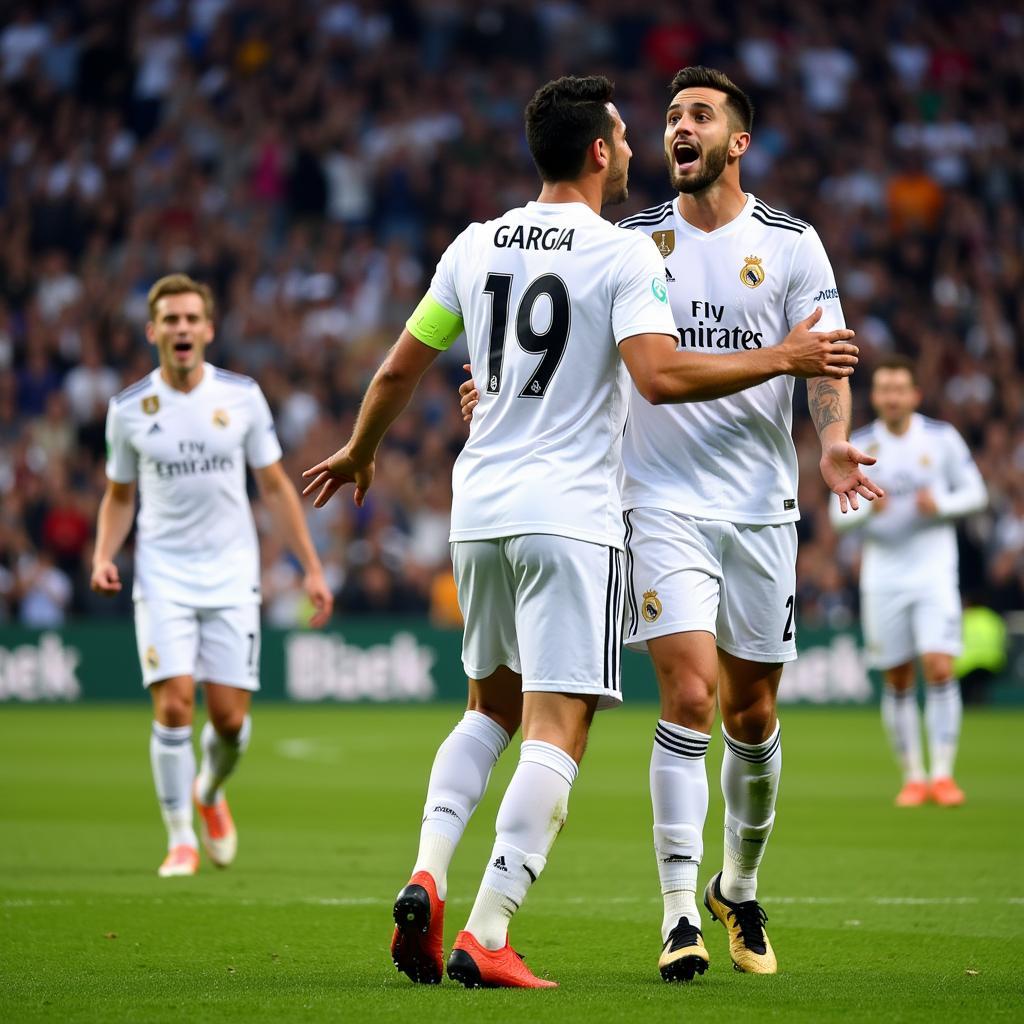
{"points": [[710, 492], [183, 436], [550, 297], [910, 599]]}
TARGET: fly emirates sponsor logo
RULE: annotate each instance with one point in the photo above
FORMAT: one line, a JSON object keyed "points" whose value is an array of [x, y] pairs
{"points": [[709, 332]]}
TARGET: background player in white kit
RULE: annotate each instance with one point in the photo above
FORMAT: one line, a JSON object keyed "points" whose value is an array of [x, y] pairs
{"points": [[550, 296], [184, 435], [910, 597]]}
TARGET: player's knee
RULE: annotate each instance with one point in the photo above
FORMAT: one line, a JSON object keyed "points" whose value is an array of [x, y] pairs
{"points": [[175, 710], [228, 722], [751, 721], [900, 677], [687, 699], [937, 668]]}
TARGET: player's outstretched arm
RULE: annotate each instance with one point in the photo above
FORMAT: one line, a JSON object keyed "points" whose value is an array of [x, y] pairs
{"points": [[388, 394], [664, 374], [117, 511], [282, 500], [830, 403]]}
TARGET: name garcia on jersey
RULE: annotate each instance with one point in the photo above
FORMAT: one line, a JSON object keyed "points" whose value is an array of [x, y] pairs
{"points": [[533, 237]]}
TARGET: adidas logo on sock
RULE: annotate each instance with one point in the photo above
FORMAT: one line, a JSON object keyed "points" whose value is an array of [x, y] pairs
{"points": [[675, 858], [499, 863]]}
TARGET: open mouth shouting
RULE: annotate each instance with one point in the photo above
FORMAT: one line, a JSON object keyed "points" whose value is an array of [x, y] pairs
{"points": [[685, 156], [183, 350]]}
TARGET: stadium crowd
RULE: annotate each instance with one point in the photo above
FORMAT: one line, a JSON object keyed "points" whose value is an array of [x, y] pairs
{"points": [[311, 161]]}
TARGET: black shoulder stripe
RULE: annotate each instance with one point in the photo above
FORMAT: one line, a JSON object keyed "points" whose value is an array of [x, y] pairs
{"points": [[655, 215], [777, 218], [777, 224], [770, 211], [133, 389]]}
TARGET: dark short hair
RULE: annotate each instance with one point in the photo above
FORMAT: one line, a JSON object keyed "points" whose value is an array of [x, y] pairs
{"points": [[698, 77], [563, 119], [897, 362]]}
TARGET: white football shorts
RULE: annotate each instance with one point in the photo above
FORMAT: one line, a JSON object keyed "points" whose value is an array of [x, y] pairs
{"points": [[213, 645], [901, 625], [734, 581], [548, 607]]}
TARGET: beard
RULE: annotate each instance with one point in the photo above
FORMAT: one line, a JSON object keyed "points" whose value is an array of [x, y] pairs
{"points": [[616, 186], [713, 164]]}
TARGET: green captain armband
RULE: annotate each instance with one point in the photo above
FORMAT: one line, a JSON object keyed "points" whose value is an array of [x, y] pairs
{"points": [[434, 325]]}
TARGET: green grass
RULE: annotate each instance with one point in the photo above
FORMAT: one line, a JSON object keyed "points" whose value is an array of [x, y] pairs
{"points": [[875, 913]]}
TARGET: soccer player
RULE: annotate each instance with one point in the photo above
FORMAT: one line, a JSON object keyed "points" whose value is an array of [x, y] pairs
{"points": [[553, 300], [183, 436], [910, 600], [710, 493]]}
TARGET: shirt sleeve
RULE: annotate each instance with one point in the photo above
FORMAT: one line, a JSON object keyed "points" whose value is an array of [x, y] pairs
{"points": [[811, 284], [640, 300], [122, 458], [262, 447], [964, 492]]}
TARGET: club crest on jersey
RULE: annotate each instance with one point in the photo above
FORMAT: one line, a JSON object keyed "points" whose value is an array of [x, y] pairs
{"points": [[151, 404], [925, 461], [651, 608], [752, 273], [152, 658], [220, 418], [665, 241]]}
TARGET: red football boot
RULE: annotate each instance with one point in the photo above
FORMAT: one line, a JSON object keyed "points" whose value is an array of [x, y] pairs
{"points": [[477, 967], [416, 946]]}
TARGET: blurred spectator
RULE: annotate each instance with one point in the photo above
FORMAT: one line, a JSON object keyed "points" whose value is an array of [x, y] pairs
{"points": [[311, 161]]}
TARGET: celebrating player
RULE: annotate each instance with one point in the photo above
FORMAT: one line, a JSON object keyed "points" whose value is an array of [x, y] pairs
{"points": [[910, 601], [185, 433], [550, 297], [710, 492]]}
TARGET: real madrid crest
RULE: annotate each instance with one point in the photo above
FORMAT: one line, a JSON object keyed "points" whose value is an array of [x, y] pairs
{"points": [[220, 418], [665, 241], [152, 658], [150, 404], [925, 461], [651, 608], [752, 273]]}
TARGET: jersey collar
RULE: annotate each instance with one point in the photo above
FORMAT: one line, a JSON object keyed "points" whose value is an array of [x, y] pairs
{"points": [[736, 224], [199, 389]]}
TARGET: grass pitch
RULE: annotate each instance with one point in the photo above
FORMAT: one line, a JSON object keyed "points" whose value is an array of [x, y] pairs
{"points": [[875, 913]]}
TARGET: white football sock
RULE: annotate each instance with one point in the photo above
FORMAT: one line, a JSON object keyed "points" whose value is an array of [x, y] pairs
{"points": [[457, 784], [902, 720], [943, 711], [530, 817], [679, 796], [750, 784], [220, 756], [174, 768]]}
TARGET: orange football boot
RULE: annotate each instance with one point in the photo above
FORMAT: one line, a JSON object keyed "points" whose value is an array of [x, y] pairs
{"points": [[416, 946], [180, 861], [216, 830], [946, 793], [913, 794], [477, 967]]}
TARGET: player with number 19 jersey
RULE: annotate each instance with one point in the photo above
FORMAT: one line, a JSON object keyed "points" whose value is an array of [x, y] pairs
{"points": [[534, 289]]}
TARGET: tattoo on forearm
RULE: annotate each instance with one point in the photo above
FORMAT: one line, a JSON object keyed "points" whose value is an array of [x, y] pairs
{"points": [[826, 405]]}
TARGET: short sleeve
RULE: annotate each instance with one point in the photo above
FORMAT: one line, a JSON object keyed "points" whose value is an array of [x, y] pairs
{"points": [[811, 284], [122, 458], [640, 298], [262, 447]]}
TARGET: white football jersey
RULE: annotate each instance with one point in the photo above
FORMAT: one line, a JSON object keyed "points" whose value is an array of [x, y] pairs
{"points": [[904, 550], [740, 287], [195, 537], [546, 293]]}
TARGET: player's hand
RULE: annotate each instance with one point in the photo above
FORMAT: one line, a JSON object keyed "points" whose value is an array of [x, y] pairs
{"points": [[105, 578], [840, 468], [320, 594], [469, 395], [332, 474], [925, 502], [810, 353]]}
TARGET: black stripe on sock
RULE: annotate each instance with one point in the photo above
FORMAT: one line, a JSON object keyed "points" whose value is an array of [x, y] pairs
{"points": [[692, 749], [173, 741], [745, 755]]}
